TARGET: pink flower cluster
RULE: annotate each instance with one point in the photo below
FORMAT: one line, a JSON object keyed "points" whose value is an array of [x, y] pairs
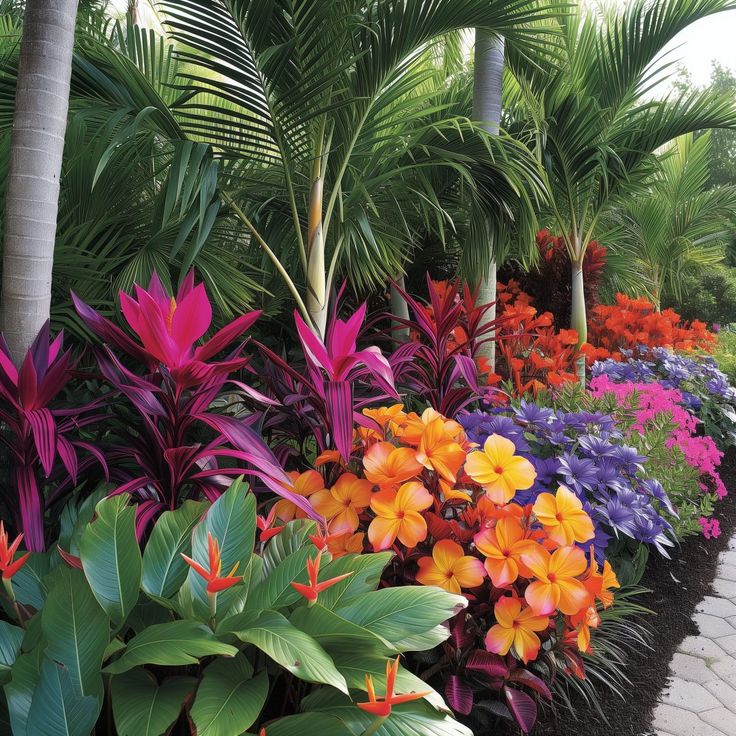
{"points": [[711, 527], [701, 453]]}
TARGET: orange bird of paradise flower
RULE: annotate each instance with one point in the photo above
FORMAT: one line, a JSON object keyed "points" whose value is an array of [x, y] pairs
{"points": [[9, 566], [380, 706], [450, 568], [516, 627], [314, 588], [215, 582]]}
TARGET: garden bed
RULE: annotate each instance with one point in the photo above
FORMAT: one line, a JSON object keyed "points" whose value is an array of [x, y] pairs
{"points": [[675, 587]]}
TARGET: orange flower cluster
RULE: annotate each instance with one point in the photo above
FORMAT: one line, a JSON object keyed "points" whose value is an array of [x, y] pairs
{"points": [[630, 322], [447, 508]]}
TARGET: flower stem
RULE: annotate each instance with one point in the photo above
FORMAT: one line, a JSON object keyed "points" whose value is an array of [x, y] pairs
{"points": [[373, 728], [212, 598], [8, 585]]}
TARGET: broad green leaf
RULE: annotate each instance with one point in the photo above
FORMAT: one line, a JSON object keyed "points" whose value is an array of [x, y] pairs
{"points": [[275, 590], [332, 631], [142, 707], [416, 718], [366, 574], [291, 648], [29, 583], [174, 643], [58, 707], [111, 557], [294, 536], [306, 724], [77, 630], [355, 665], [10, 641], [398, 613], [228, 699], [164, 570], [424, 641], [19, 691], [232, 521]]}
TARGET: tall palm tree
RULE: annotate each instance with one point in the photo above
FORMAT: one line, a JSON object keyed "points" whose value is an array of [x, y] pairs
{"points": [[319, 114], [592, 118], [488, 72], [674, 224], [36, 149]]}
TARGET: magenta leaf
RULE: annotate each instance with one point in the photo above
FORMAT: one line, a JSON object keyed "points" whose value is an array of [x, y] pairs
{"points": [[491, 665], [523, 707], [339, 401], [459, 695], [43, 428], [530, 680], [31, 507]]}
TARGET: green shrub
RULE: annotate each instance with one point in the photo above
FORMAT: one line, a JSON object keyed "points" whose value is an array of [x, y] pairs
{"points": [[708, 295], [725, 354]]}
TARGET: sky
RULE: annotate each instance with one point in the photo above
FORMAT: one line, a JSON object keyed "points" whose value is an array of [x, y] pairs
{"points": [[696, 47]]}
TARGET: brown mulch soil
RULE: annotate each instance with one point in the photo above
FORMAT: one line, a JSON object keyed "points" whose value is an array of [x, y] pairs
{"points": [[676, 587]]}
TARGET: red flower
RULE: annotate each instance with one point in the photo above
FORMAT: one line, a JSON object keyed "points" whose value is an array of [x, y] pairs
{"points": [[311, 591], [380, 706], [7, 565], [215, 582]]}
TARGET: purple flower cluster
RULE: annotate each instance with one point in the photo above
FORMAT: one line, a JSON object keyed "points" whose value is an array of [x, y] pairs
{"points": [[586, 452]]}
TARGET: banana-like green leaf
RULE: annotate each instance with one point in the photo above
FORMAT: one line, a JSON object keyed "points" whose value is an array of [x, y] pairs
{"points": [[10, 640]]}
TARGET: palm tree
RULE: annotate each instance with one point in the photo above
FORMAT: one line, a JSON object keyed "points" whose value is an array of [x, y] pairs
{"points": [[593, 124], [36, 149], [326, 133], [674, 225]]}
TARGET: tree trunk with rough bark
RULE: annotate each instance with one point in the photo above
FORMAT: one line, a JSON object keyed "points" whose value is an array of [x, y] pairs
{"points": [[36, 149], [487, 88]]}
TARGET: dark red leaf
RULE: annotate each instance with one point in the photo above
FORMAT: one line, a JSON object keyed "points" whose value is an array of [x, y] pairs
{"points": [[459, 695], [488, 663], [523, 707], [530, 680]]}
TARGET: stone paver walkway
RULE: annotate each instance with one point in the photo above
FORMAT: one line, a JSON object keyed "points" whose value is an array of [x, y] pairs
{"points": [[700, 698]]}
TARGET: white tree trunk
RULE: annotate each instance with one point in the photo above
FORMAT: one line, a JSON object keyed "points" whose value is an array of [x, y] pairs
{"points": [[400, 309], [579, 317], [487, 88], [36, 149]]}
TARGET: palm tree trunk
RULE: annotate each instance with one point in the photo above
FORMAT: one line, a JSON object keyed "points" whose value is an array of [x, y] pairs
{"points": [[400, 309], [36, 149], [579, 317], [133, 11], [487, 87], [316, 273]]}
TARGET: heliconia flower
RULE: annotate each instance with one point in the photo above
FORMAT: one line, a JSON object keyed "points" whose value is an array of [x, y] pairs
{"points": [[312, 591], [439, 452], [450, 568], [303, 484], [9, 566], [516, 627], [265, 524], [341, 504], [388, 467], [346, 544], [215, 583], [499, 470], [557, 586], [503, 546], [599, 584], [582, 622], [397, 516], [563, 518], [321, 539], [380, 706]]}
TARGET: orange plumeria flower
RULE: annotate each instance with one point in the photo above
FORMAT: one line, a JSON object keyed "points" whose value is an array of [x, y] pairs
{"points": [[387, 466], [313, 589], [563, 518], [8, 566], [503, 547], [598, 583], [413, 427], [516, 627], [388, 418], [215, 582], [499, 470], [450, 568], [346, 544], [439, 452], [380, 706], [341, 504], [397, 516], [557, 585], [304, 484], [582, 622]]}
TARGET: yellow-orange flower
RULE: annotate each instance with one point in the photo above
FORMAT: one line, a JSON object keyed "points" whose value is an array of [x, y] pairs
{"points": [[438, 451], [345, 544], [397, 516], [387, 466], [600, 584], [413, 426], [503, 547], [516, 627], [557, 585], [386, 417], [450, 568], [499, 470], [341, 504], [304, 484], [563, 518], [582, 622]]}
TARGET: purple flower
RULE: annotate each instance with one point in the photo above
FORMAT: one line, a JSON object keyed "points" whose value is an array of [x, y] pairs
{"points": [[579, 473]]}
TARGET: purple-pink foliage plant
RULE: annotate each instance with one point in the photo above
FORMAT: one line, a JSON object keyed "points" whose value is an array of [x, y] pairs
{"points": [[173, 445], [38, 433]]}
